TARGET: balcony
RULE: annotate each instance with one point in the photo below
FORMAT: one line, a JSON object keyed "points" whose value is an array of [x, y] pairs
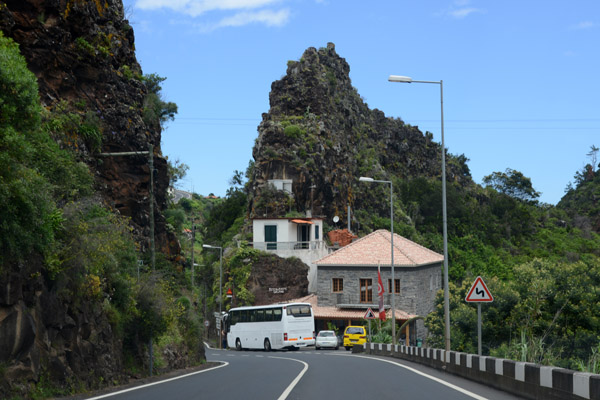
{"points": [[289, 246]]}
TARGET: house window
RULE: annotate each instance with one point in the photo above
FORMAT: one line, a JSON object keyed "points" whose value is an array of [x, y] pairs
{"points": [[316, 232], [271, 237], [366, 290], [396, 286], [338, 285]]}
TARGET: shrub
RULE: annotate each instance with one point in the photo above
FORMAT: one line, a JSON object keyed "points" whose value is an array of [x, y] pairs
{"points": [[293, 131]]}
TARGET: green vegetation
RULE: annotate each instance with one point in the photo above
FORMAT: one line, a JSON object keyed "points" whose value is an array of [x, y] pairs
{"points": [[155, 108], [59, 236]]}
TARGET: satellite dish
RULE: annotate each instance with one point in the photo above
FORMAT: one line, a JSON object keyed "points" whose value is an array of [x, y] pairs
{"points": [[336, 219]]}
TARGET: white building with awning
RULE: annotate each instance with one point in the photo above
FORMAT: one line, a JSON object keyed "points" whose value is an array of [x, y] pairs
{"points": [[292, 237]]}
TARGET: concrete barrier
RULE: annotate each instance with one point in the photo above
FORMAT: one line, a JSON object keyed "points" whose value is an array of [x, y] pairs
{"points": [[527, 380]]}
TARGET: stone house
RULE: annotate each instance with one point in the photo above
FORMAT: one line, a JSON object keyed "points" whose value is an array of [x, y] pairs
{"points": [[347, 281]]}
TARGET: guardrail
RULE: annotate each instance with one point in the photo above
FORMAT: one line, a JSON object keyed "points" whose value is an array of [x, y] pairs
{"points": [[528, 380]]}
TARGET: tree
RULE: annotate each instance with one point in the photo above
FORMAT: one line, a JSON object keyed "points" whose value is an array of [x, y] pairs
{"points": [[512, 183], [154, 105], [177, 171]]}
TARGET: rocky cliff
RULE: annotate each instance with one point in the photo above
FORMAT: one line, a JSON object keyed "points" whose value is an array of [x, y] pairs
{"points": [[83, 54], [320, 134]]}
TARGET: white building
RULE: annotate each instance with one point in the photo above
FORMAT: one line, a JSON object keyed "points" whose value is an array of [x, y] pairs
{"points": [[292, 237]]}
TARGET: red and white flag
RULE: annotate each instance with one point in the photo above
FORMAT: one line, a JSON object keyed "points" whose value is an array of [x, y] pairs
{"points": [[380, 292]]}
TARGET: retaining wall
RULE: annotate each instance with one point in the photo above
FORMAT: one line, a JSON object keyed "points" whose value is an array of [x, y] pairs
{"points": [[527, 380]]}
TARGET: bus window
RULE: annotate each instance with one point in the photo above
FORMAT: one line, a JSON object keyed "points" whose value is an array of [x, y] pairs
{"points": [[235, 317], [260, 315], [299, 311], [243, 316], [269, 314], [251, 315], [277, 314]]}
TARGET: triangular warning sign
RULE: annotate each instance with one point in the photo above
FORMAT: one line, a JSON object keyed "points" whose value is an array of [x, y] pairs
{"points": [[479, 292], [370, 314]]}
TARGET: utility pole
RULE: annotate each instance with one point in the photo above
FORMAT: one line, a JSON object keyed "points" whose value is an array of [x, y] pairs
{"points": [[150, 154], [193, 241]]}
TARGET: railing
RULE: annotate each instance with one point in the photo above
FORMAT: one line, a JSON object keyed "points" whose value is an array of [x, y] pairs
{"points": [[312, 245], [527, 380]]}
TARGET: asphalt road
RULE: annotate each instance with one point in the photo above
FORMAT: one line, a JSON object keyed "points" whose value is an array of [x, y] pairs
{"points": [[309, 374]]}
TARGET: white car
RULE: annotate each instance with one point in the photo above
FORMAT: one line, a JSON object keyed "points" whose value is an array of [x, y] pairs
{"points": [[327, 339]]}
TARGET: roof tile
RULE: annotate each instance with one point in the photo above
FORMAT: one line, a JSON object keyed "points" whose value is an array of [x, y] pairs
{"points": [[375, 249]]}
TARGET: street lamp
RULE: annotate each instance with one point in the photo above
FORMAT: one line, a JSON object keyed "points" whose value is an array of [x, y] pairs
{"points": [[208, 246], [366, 179], [406, 79]]}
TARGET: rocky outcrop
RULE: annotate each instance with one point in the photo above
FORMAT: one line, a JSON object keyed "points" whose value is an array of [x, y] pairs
{"points": [[82, 52], [44, 337], [322, 135], [274, 279]]}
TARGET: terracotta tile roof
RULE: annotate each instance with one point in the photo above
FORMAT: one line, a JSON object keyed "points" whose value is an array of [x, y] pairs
{"points": [[344, 313], [375, 248]]}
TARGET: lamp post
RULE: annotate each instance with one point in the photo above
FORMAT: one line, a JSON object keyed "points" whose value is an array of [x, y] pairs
{"points": [[207, 246], [406, 79], [366, 179]]}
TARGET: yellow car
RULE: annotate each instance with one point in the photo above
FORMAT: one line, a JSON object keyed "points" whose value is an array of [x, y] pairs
{"points": [[354, 335]]}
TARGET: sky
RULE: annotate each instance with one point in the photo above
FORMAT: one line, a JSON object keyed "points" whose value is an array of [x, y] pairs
{"points": [[520, 78]]}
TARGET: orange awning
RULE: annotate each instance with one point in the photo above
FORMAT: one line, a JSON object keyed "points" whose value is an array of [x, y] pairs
{"points": [[301, 221]]}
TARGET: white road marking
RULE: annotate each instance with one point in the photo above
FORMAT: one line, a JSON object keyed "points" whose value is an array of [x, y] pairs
{"points": [[291, 386], [433, 378], [158, 382]]}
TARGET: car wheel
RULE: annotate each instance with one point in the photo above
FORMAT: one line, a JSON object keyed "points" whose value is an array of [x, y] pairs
{"points": [[337, 347], [348, 347], [267, 345], [316, 347], [238, 345]]}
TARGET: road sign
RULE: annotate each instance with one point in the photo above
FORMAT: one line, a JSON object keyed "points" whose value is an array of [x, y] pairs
{"points": [[207, 323], [479, 292], [370, 314]]}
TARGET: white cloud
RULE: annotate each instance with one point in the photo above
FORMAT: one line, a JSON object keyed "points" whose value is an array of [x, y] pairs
{"points": [[459, 9], [195, 8], [463, 12], [584, 25], [267, 17]]}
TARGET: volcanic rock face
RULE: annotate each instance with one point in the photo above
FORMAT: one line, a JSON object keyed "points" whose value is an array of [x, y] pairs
{"points": [[274, 279], [320, 134], [82, 52]]}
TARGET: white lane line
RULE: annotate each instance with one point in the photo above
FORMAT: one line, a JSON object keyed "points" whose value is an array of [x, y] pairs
{"points": [[159, 382], [291, 386], [433, 378]]}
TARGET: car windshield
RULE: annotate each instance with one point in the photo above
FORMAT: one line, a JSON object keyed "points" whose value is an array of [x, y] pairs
{"points": [[354, 331], [326, 334]]}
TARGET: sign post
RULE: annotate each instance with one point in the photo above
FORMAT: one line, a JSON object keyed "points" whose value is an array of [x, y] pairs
{"points": [[369, 315], [479, 293]]}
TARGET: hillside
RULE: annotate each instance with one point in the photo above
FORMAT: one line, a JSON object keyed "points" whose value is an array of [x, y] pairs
{"points": [[321, 134], [82, 54], [79, 304]]}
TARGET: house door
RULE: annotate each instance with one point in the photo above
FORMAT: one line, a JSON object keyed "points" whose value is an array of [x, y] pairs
{"points": [[271, 237], [304, 235]]}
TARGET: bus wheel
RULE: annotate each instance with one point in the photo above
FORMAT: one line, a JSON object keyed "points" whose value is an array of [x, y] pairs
{"points": [[238, 345], [267, 345]]}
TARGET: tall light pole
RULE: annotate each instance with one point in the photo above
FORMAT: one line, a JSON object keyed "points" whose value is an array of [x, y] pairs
{"points": [[366, 179], [208, 246], [406, 79]]}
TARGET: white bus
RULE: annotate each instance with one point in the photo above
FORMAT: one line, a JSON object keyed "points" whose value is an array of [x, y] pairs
{"points": [[276, 326]]}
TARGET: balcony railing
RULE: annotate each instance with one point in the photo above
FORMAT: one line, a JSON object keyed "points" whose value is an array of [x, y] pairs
{"points": [[312, 245]]}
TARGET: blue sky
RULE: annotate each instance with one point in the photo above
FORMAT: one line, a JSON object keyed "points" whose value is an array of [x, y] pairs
{"points": [[521, 85]]}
